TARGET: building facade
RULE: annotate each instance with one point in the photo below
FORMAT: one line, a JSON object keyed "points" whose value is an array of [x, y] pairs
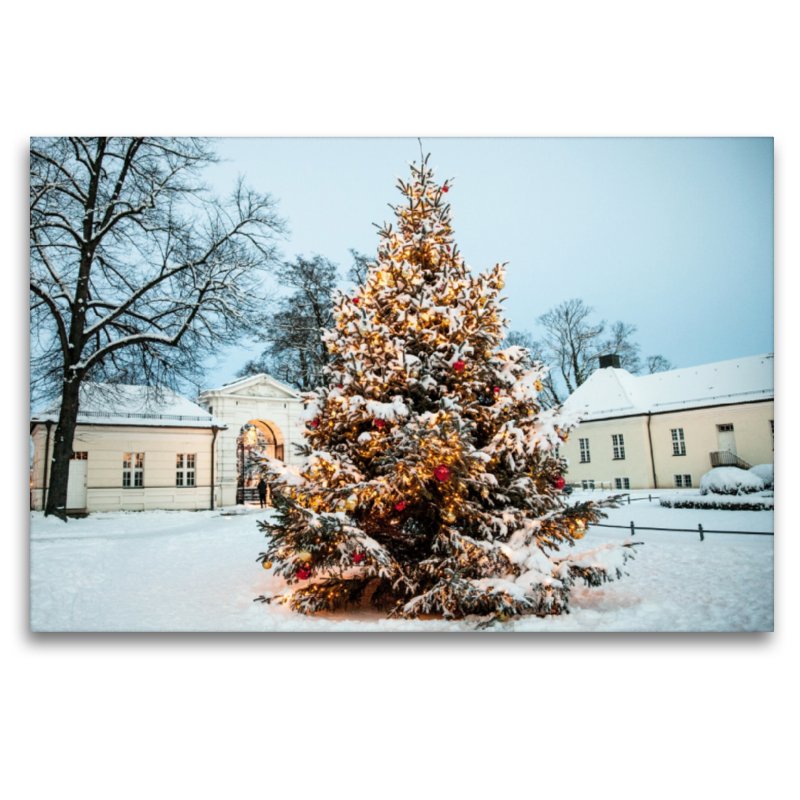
{"points": [[134, 449], [261, 413], [668, 429], [137, 448]]}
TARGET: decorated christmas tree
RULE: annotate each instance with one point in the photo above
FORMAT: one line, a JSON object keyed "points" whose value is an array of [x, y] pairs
{"points": [[430, 480]]}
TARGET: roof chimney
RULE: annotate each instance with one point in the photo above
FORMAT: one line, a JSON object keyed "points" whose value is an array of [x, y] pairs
{"points": [[611, 360]]}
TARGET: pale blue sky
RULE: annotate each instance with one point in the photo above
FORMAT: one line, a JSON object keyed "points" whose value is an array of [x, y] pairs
{"points": [[672, 235]]}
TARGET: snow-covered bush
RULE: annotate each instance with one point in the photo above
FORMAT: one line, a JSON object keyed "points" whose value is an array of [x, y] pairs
{"points": [[730, 480], [751, 502], [766, 472]]}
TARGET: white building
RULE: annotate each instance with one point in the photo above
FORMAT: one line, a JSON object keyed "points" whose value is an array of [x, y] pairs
{"points": [[670, 428], [134, 448], [137, 448], [272, 409]]}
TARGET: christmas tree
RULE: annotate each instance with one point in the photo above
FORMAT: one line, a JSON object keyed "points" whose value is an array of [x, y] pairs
{"points": [[430, 482]]}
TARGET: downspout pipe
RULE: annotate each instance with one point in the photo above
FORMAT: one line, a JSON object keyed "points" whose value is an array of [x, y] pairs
{"points": [[650, 442], [215, 431]]}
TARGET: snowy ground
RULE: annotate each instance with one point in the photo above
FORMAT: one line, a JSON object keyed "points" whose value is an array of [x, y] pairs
{"points": [[196, 571]]}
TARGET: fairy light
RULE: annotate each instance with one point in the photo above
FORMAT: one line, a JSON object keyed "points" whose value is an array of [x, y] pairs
{"points": [[420, 299]]}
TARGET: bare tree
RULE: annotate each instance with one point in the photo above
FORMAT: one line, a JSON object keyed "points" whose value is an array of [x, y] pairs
{"points": [[658, 364], [137, 273], [295, 352], [572, 344], [357, 273]]}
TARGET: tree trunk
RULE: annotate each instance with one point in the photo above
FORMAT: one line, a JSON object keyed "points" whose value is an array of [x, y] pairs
{"points": [[62, 450]]}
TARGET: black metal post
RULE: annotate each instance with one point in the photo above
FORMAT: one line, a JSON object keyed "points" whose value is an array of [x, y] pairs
{"points": [[700, 528], [46, 475], [633, 530]]}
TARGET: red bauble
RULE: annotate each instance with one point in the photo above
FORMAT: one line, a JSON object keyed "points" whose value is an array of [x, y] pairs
{"points": [[496, 389], [356, 300], [314, 423], [339, 386], [303, 573], [559, 483], [379, 423], [400, 506], [442, 473], [358, 557], [448, 248], [459, 365], [445, 189]]}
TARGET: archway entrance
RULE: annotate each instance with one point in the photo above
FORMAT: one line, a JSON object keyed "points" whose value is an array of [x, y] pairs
{"points": [[257, 439]]}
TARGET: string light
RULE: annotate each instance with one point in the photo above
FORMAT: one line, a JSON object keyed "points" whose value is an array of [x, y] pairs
{"points": [[416, 449]]}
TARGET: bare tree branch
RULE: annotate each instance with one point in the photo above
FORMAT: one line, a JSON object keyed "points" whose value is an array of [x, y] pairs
{"points": [[138, 273]]}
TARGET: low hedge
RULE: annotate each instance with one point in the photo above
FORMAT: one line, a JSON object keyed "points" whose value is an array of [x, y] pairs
{"points": [[720, 502]]}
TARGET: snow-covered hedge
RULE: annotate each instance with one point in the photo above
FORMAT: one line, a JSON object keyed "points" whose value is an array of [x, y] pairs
{"points": [[730, 480], [763, 501], [766, 472]]}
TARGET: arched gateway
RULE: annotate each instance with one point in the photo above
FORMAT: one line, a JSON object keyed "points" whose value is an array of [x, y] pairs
{"points": [[262, 415]]}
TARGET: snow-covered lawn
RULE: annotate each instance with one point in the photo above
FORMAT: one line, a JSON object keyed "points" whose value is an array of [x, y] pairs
{"points": [[196, 571]]}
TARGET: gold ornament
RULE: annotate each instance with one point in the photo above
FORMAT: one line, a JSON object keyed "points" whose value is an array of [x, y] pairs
{"points": [[501, 284], [580, 529], [351, 503], [538, 385], [503, 616], [304, 556], [266, 564], [448, 515]]}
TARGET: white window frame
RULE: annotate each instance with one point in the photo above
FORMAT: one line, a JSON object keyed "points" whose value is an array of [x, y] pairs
{"points": [[185, 470], [587, 484], [586, 457], [622, 483], [618, 444], [133, 470], [678, 442], [682, 481]]}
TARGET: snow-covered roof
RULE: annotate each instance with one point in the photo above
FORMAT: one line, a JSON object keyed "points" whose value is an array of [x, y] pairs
{"points": [[612, 392], [107, 404], [232, 387]]}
